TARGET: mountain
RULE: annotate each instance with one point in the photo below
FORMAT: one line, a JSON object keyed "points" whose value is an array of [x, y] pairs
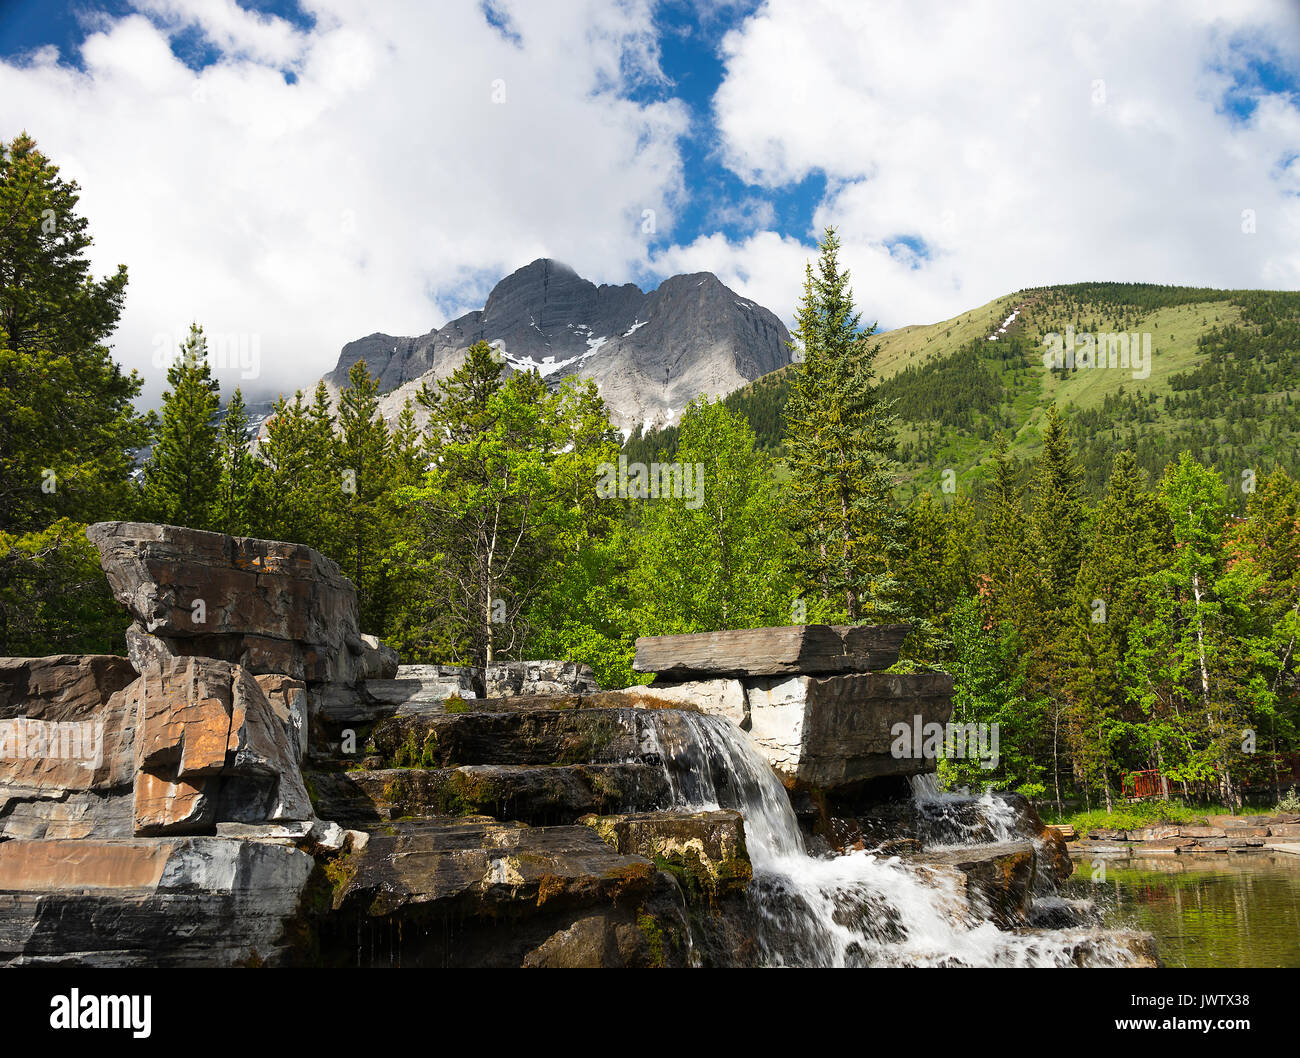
{"points": [[649, 353], [1222, 380]]}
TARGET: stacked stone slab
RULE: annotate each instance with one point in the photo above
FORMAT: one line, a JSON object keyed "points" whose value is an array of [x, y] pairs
{"points": [[164, 792], [811, 697]]}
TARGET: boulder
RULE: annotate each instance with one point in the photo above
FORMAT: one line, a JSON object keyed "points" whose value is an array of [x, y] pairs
{"points": [[212, 748], [833, 732], [999, 878], [269, 606], [783, 651], [379, 661], [512, 678]]}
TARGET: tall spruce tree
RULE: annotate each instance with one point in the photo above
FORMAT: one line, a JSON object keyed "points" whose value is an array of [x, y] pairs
{"points": [[182, 476], [364, 451], [67, 425], [1057, 523], [1129, 537], [238, 471], [839, 447]]}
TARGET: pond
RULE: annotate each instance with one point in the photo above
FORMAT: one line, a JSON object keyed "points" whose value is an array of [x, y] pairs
{"points": [[1205, 909]]}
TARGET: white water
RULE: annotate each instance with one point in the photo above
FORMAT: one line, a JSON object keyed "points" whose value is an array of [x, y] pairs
{"points": [[857, 909]]}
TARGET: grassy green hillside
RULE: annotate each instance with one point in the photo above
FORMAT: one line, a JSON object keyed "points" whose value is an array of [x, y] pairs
{"points": [[1223, 382]]}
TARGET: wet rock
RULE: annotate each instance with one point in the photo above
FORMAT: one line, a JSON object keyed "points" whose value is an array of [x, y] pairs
{"points": [[269, 606], [167, 902], [999, 879], [531, 794], [787, 651], [705, 851], [481, 892], [1131, 949]]}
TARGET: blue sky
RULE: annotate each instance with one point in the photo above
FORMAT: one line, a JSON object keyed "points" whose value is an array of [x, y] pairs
{"points": [[310, 173]]}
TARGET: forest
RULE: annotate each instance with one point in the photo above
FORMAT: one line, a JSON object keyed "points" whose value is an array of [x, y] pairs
{"points": [[1123, 601]]}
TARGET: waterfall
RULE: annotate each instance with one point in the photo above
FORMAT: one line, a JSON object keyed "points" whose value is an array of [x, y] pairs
{"points": [[856, 909]]}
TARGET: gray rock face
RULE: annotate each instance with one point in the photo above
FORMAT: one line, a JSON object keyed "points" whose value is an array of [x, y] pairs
{"points": [[650, 353], [162, 902], [788, 650], [270, 606]]}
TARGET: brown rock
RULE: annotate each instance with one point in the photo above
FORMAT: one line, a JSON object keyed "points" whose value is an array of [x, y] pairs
{"points": [[175, 806], [266, 605]]}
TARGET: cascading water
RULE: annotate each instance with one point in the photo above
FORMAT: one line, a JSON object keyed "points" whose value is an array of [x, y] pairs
{"points": [[856, 909]]}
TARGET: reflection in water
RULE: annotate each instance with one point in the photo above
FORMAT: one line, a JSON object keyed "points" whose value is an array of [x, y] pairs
{"points": [[1205, 909]]}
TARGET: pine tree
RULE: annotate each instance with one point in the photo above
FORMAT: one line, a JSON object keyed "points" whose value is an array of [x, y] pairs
{"points": [[1010, 575], [839, 446], [1129, 537], [363, 452], [238, 471], [67, 425], [1057, 523], [182, 477]]}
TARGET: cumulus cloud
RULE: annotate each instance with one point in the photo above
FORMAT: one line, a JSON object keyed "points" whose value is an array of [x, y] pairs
{"points": [[977, 150], [374, 172], [381, 167]]}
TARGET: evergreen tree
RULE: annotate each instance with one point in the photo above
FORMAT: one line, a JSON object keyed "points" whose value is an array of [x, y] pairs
{"points": [[236, 498], [839, 445], [183, 474], [1010, 572], [67, 425], [1129, 538], [363, 452]]}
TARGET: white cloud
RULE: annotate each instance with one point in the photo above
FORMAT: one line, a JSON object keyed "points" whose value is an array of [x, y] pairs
{"points": [[1025, 143], [378, 191]]}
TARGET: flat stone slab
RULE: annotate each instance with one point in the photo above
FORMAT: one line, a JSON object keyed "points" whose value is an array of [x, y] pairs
{"points": [[538, 795], [477, 865], [781, 651], [166, 902], [534, 736]]}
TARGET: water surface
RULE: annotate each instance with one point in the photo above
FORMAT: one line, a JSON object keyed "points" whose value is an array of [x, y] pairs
{"points": [[1205, 909]]}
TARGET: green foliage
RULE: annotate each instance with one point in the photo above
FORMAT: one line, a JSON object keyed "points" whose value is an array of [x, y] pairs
{"points": [[53, 595], [715, 557], [183, 475], [839, 444], [67, 425]]}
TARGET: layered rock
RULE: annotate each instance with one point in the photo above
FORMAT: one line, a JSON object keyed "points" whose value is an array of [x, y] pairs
{"points": [[268, 606], [809, 650], [205, 901], [808, 696]]}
